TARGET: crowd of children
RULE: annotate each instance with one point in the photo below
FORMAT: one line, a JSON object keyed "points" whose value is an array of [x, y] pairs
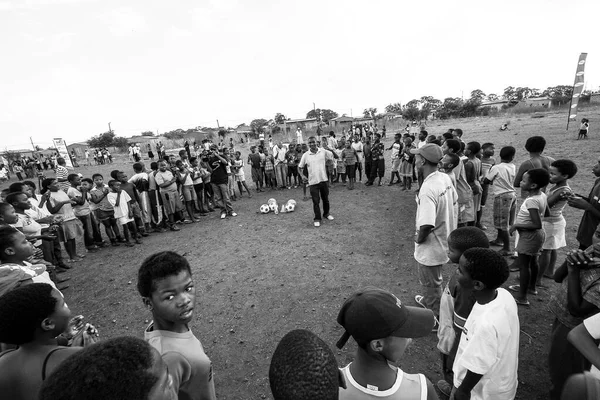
{"points": [[476, 320]]}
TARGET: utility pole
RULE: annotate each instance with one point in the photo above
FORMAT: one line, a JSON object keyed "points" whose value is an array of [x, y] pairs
{"points": [[32, 145], [218, 124], [110, 130]]}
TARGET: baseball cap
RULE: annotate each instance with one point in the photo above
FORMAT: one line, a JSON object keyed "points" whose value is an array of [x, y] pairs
{"points": [[430, 151], [373, 313]]}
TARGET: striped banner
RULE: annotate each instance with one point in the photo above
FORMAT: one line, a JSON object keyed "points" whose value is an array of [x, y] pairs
{"points": [[577, 88]]}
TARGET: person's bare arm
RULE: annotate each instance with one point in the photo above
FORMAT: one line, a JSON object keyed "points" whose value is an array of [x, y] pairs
{"points": [[581, 339]]}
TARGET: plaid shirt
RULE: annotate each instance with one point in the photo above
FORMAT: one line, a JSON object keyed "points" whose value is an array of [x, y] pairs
{"points": [[269, 164]]}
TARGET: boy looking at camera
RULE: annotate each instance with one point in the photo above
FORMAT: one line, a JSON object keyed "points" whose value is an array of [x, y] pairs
{"points": [[167, 289]]}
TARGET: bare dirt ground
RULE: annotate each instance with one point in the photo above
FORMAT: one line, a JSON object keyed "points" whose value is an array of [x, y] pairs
{"points": [[260, 276]]}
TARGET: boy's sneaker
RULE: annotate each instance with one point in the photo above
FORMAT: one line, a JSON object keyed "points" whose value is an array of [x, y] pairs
{"points": [[233, 214], [330, 218], [419, 300], [444, 387], [223, 215], [317, 224]]}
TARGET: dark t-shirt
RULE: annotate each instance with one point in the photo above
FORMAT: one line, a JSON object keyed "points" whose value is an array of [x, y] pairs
{"points": [[219, 173], [254, 160], [589, 222]]}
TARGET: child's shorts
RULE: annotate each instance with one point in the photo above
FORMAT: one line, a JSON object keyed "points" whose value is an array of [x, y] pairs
{"points": [[531, 242], [555, 233], [240, 178], [504, 210], [396, 164], [104, 215], [351, 171], [171, 201], [188, 192], [72, 229], [466, 212]]}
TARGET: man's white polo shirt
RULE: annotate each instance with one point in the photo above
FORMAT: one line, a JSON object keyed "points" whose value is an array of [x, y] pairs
{"points": [[316, 165]]}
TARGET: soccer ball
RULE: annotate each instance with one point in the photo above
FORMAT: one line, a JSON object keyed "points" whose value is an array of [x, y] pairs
{"points": [[273, 205], [264, 209], [290, 205]]}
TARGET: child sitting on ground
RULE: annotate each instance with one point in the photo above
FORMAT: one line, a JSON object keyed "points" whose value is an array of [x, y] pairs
{"points": [[457, 302], [31, 317], [554, 224], [531, 233], [501, 177], [167, 289], [121, 201], [303, 367], [382, 327], [488, 353]]}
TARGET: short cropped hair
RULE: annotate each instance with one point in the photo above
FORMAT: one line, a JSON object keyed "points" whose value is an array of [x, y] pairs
{"points": [[454, 145], [118, 369], [539, 176], [30, 184], [507, 153], [448, 135], [565, 167], [12, 197], [159, 266], [5, 205], [468, 237], [112, 182], [88, 180], [303, 367], [16, 187], [458, 132], [114, 173], [22, 310], [486, 266], [454, 159], [487, 145], [97, 175], [70, 177], [535, 144], [138, 167], [475, 147], [153, 165]]}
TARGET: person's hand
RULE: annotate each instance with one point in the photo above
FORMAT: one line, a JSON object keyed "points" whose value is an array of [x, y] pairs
{"points": [[577, 259], [578, 202], [88, 335], [105, 190], [511, 230]]}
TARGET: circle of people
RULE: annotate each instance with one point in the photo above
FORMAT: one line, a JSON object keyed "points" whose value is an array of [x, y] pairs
{"points": [[475, 318]]}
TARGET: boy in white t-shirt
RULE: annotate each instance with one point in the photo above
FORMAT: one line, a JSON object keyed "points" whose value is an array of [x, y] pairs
{"points": [[120, 201], [488, 354]]}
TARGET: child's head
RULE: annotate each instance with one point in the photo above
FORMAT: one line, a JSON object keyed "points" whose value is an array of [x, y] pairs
{"points": [[535, 179], [194, 161], [535, 144], [166, 286], [19, 200], [481, 269], [253, 149], [121, 177], [303, 367], [7, 212], [138, 167], [507, 153], [74, 179], [87, 184], [98, 179], [183, 154], [238, 154], [451, 146], [380, 324], [179, 165], [472, 149], [49, 184], [448, 163], [118, 368], [114, 185], [30, 309], [463, 239], [14, 246], [561, 170], [162, 166], [154, 166], [596, 169], [488, 149]]}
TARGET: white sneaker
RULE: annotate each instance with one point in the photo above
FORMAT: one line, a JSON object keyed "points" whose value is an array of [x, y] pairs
{"points": [[329, 217], [317, 224], [223, 215], [233, 214]]}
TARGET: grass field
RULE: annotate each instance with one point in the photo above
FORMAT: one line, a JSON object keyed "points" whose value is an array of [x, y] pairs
{"points": [[259, 276]]}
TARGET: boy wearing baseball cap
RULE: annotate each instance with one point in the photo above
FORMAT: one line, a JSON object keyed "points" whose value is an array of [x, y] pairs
{"points": [[383, 328]]}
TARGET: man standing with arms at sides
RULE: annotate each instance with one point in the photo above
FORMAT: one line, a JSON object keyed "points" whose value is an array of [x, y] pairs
{"points": [[437, 214], [299, 139], [315, 159]]}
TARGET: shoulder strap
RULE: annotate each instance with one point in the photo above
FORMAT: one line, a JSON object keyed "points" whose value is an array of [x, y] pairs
{"points": [[423, 382], [46, 361]]}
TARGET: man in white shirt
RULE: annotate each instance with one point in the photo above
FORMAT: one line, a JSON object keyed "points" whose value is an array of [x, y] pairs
{"points": [[280, 164], [437, 211], [358, 146], [315, 159], [299, 139]]}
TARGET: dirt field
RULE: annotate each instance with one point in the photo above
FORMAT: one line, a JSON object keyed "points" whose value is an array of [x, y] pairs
{"points": [[259, 276]]}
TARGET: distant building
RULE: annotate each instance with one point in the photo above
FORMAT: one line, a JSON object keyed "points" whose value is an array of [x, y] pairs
{"points": [[595, 98], [305, 124], [79, 149], [535, 102], [343, 122]]}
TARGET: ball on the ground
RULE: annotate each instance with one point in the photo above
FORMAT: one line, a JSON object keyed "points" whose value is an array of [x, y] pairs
{"points": [[290, 205], [264, 209]]}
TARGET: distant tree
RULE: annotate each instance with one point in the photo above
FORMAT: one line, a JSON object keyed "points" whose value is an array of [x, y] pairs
{"points": [[451, 108], [560, 94], [411, 110], [394, 108], [174, 134], [509, 93], [258, 125], [222, 133], [492, 97], [326, 114], [370, 112], [428, 104], [147, 133], [11, 156], [105, 139], [478, 95], [279, 118], [120, 142]]}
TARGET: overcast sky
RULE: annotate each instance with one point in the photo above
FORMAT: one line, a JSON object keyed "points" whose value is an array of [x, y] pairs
{"points": [[71, 66]]}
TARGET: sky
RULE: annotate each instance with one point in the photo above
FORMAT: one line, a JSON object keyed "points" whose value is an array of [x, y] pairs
{"points": [[70, 67]]}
